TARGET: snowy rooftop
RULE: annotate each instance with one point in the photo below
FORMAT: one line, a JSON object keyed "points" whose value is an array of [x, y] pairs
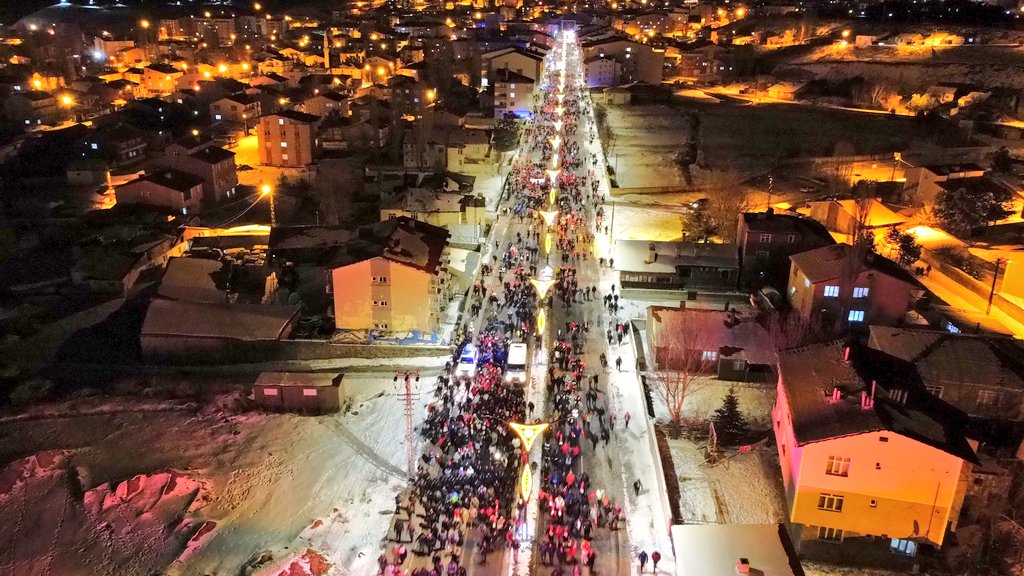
{"points": [[810, 375], [636, 256], [716, 549]]}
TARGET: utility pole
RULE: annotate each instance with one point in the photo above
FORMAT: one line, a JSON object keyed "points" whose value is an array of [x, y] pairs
{"points": [[992, 292], [410, 436]]}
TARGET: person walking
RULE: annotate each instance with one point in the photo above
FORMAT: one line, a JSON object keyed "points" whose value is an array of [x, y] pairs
{"points": [[655, 558], [618, 363], [637, 487], [643, 560], [625, 417]]}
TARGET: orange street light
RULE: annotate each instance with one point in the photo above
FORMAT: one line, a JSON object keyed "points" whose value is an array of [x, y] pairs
{"points": [[144, 23], [267, 190], [67, 100], [257, 6]]}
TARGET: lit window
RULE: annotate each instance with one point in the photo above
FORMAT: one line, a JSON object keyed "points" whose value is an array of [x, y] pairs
{"points": [[905, 547], [216, 116], [951, 328], [280, 121], [94, 146], [709, 356], [512, 86], [856, 316], [807, 282], [284, 144], [830, 502], [831, 291], [934, 390], [284, 157], [838, 466], [860, 292]]}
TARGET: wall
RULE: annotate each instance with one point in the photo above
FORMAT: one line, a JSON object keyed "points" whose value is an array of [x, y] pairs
{"points": [[411, 299], [352, 296], [242, 356], [915, 487]]}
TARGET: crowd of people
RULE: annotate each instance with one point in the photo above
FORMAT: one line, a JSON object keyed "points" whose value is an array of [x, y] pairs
{"points": [[464, 485]]}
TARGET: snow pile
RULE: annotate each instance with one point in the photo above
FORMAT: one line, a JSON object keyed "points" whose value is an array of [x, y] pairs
{"points": [[50, 525], [14, 476], [309, 563]]}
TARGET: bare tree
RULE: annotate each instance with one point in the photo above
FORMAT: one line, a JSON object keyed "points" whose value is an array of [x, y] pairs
{"points": [[726, 201], [684, 350], [792, 329]]}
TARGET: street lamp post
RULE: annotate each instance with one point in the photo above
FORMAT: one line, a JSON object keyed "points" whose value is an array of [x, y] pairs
{"points": [[267, 190], [992, 291]]}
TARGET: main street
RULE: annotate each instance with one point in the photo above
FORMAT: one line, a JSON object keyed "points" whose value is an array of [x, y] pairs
{"points": [[545, 281]]}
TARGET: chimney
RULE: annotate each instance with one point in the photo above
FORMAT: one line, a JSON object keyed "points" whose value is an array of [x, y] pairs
{"points": [[769, 212], [395, 246], [743, 566], [866, 400], [846, 355], [652, 254]]}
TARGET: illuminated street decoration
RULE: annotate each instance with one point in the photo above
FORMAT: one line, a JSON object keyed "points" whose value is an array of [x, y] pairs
{"points": [[528, 434], [547, 243], [554, 162], [560, 98], [542, 321], [558, 125], [525, 482], [553, 174], [548, 216], [555, 142], [559, 110], [551, 195], [543, 282]]}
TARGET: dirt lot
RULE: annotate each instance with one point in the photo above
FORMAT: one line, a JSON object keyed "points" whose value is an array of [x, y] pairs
{"points": [[747, 139]]}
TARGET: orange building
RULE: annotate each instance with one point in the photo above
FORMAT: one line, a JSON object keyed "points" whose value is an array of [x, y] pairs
{"points": [[866, 452], [390, 277], [287, 138]]}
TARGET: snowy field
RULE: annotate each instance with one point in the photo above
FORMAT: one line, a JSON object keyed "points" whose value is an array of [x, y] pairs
{"points": [[740, 489], [210, 489]]}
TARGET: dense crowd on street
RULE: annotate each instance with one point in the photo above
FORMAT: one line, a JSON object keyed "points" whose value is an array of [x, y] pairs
{"points": [[464, 487]]}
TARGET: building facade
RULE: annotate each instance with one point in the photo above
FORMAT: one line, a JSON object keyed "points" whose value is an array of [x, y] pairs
{"points": [[287, 138]]}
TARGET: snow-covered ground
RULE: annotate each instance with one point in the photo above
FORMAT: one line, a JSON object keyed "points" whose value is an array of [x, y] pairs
{"points": [[275, 485], [740, 489]]}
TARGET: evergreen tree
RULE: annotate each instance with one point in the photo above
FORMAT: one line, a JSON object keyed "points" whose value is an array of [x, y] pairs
{"points": [[730, 425]]}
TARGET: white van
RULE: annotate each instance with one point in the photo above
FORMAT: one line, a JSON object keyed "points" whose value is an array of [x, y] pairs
{"points": [[515, 369]]}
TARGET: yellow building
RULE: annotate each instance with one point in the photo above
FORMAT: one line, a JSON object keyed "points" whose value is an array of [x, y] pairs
{"points": [[869, 458], [392, 276]]}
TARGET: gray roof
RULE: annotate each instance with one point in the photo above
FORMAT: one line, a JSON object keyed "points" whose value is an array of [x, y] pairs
{"points": [[831, 262], [809, 374], [943, 358], [633, 256], [248, 322], [735, 337], [192, 279]]}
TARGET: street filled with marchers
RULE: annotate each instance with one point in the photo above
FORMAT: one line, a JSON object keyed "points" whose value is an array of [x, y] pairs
{"points": [[464, 496]]}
